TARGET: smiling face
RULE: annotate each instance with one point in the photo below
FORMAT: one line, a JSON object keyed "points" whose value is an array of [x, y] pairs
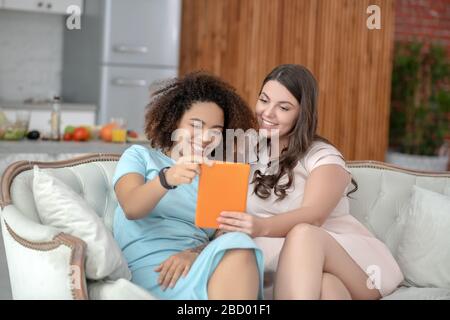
{"points": [[201, 127], [277, 110]]}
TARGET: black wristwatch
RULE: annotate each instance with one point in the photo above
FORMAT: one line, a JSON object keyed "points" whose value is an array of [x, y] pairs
{"points": [[162, 179]]}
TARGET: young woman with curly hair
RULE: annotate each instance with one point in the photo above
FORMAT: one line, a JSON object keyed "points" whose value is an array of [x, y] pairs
{"points": [[299, 209], [156, 188]]}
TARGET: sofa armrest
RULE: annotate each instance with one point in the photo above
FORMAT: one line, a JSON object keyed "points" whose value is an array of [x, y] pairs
{"points": [[43, 262]]}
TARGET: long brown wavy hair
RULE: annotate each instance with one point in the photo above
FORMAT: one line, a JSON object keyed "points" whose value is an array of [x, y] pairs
{"points": [[303, 86]]}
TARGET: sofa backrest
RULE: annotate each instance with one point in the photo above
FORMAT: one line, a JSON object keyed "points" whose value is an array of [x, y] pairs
{"points": [[382, 190], [90, 176]]}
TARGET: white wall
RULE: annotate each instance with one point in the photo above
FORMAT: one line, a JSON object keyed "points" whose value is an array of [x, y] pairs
{"points": [[30, 55], [30, 67]]}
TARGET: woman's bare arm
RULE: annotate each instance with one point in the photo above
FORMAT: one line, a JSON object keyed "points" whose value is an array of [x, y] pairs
{"points": [[136, 197], [323, 190]]}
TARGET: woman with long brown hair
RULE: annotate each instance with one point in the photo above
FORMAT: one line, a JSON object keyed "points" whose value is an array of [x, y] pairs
{"points": [[299, 207]]}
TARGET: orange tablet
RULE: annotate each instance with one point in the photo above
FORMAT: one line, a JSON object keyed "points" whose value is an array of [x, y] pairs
{"points": [[222, 187]]}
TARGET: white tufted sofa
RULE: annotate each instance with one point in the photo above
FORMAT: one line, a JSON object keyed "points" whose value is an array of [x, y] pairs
{"points": [[41, 259]]}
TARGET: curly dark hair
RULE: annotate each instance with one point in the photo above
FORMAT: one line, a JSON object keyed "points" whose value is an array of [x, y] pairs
{"points": [[169, 103]]}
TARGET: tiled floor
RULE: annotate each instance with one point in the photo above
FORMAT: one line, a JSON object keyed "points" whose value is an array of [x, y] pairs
{"points": [[5, 289]]}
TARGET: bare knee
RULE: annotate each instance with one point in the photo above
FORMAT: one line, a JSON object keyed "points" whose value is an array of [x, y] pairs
{"points": [[302, 231], [304, 239]]}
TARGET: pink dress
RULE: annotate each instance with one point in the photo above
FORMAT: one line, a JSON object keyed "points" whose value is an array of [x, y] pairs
{"points": [[364, 248]]}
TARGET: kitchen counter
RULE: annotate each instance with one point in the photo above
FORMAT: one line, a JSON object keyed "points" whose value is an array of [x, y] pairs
{"points": [[39, 114], [12, 151], [18, 105], [59, 147]]}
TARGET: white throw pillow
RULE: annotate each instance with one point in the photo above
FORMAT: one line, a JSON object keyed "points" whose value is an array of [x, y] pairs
{"points": [[61, 207], [424, 249]]}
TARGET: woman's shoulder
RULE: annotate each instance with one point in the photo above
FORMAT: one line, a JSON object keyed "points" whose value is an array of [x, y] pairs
{"points": [[325, 147], [321, 153], [145, 153], [138, 159], [143, 150], [137, 150]]}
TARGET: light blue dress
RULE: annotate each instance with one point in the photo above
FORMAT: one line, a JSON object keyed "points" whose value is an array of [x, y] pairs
{"points": [[168, 229]]}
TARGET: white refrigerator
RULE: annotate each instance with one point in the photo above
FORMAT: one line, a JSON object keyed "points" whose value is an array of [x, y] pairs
{"points": [[121, 49]]}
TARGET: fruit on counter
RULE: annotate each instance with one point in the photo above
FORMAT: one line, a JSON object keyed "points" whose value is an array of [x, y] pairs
{"points": [[132, 134], [68, 136], [33, 135], [3, 119], [86, 133], [89, 130], [69, 129], [3, 124], [119, 135], [13, 133], [81, 134], [106, 131]]}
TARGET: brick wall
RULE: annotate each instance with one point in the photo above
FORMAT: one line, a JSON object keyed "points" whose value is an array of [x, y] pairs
{"points": [[423, 20]]}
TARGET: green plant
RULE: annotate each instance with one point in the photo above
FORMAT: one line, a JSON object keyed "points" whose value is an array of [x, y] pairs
{"points": [[420, 100]]}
